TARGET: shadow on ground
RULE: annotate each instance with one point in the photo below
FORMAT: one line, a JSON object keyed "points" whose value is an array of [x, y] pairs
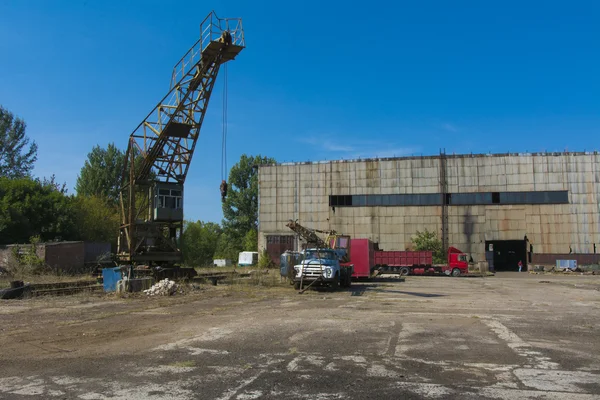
{"points": [[360, 289]]}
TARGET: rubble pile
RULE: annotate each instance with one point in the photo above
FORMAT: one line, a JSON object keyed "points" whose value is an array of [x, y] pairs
{"points": [[162, 288]]}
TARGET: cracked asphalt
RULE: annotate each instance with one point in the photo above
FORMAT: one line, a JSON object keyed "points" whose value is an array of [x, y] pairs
{"points": [[511, 336]]}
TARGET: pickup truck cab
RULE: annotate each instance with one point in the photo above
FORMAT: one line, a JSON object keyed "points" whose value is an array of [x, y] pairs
{"points": [[322, 267]]}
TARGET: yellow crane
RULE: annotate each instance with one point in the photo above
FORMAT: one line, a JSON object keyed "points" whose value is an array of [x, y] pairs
{"points": [[160, 149]]}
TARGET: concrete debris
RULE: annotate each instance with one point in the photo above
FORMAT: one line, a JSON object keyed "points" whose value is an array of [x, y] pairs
{"points": [[162, 288]]}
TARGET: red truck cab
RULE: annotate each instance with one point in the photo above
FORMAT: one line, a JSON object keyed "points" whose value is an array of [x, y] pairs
{"points": [[457, 260]]}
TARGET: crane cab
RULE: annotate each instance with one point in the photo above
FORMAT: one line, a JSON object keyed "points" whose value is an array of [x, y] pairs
{"points": [[167, 204]]}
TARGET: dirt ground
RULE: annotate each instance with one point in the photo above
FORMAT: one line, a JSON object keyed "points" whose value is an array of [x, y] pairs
{"points": [[514, 336]]}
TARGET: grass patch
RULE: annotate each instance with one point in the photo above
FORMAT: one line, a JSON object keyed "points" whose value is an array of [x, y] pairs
{"points": [[44, 278], [266, 279]]}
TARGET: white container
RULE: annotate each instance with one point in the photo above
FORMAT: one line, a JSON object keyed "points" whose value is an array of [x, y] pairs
{"points": [[221, 262], [248, 258]]}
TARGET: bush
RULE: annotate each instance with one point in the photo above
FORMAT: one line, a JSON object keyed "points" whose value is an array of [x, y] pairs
{"points": [[26, 261], [428, 241], [264, 260]]}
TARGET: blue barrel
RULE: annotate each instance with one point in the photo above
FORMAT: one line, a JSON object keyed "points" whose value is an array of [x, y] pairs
{"points": [[287, 261], [111, 276], [284, 262]]}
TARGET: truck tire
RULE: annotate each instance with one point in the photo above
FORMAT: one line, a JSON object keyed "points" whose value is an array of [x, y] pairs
{"points": [[335, 284], [404, 271], [344, 281], [297, 285], [456, 272]]}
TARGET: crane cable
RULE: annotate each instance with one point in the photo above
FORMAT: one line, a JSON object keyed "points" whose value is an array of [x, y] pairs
{"points": [[224, 138]]}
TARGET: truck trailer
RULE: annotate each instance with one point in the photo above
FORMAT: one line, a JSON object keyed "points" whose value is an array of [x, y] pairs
{"points": [[368, 261]]}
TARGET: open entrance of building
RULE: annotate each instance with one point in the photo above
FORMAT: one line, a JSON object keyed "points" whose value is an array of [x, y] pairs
{"points": [[504, 255]]}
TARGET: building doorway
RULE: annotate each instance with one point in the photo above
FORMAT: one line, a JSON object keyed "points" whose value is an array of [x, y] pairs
{"points": [[278, 244], [504, 255]]}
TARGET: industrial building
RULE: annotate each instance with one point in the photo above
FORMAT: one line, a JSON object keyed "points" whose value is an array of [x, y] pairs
{"points": [[497, 207]]}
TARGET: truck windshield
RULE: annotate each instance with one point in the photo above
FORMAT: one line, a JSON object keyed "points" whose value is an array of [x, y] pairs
{"points": [[314, 254]]}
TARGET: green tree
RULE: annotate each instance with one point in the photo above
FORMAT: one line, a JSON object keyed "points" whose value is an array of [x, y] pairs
{"points": [[96, 221], [228, 246], [52, 184], [251, 240], [240, 208], [428, 241], [31, 208], [16, 154], [101, 174], [199, 242]]}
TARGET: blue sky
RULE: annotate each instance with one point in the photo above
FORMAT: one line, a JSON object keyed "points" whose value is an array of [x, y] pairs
{"points": [[315, 82]]}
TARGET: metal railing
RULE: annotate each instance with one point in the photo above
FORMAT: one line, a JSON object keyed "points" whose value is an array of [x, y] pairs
{"points": [[211, 29]]}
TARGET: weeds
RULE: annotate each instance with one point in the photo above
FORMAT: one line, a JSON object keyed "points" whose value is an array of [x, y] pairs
{"points": [[265, 261]]}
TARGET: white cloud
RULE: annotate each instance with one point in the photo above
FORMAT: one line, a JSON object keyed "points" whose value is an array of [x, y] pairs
{"points": [[351, 148], [447, 126]]}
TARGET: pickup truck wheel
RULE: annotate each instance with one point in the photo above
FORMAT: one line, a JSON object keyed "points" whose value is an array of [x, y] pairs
{"points": [[456, 272], [336, 282], [349, 283], [404, 271], [297, 285]]}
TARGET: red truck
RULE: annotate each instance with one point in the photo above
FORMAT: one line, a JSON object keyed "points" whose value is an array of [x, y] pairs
{"points": [[369, 260]]}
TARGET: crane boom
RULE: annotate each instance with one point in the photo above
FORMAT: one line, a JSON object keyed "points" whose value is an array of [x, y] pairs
{"points": [[309, 235], [339, 243], [161, 147]]}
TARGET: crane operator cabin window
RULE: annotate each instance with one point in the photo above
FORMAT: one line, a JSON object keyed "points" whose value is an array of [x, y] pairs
{"points": [[168, 202], [169, 198]]}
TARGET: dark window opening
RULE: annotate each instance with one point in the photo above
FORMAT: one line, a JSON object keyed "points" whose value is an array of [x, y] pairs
{"points": [[495, 198], [454, 199]]}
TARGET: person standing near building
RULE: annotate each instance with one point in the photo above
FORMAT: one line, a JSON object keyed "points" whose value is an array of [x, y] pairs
{"points": [[520, 264]]}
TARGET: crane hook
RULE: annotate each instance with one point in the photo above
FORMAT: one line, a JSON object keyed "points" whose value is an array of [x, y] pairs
{"points": [[223, 190]]}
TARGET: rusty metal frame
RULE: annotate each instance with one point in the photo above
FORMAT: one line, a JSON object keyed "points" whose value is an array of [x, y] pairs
{"points": [[165, 155]]}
